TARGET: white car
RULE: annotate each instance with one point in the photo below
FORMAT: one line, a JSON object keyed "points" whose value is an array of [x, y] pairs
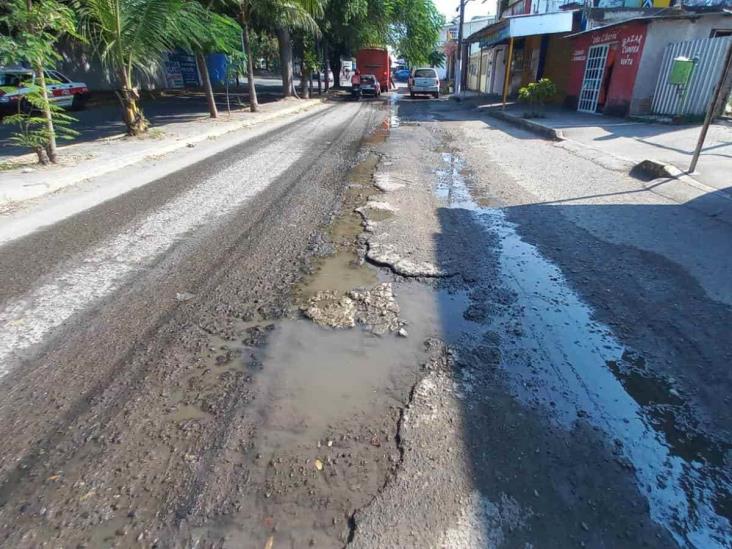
{"points": [[424, 81], [17, 82]]}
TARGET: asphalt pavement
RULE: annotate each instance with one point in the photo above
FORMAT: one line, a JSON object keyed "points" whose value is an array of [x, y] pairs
{"points": [[391, 323]]}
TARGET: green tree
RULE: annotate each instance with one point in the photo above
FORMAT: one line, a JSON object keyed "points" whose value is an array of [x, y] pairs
{"points": [[283, 17], [415, 29], [247, 11], [411, 27], [32, 131], [131, 35], [536, 94], [33, 31], [309, 65], [214, 32]]}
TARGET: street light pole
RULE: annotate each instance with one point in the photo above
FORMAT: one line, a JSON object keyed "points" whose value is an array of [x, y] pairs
{"points": [[459, 68]]}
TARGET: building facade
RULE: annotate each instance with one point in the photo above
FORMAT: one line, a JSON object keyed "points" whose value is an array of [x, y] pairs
{"points": [[614, 69], [605, 58]]}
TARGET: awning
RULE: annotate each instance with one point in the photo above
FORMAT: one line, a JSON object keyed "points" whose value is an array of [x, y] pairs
{"points": [[520, 26], [492, 34]]}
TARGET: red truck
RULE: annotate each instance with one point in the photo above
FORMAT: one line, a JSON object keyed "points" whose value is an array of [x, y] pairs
{"points": [[375, 61]]}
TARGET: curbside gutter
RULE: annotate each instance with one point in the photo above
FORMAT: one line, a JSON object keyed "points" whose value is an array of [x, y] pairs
{"points": [[20, 191]]}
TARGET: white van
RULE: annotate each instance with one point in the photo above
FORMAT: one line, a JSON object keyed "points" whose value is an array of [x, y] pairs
{"points": [[424, 81]]}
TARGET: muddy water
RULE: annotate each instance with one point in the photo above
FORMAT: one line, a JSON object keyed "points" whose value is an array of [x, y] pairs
{"points": [[315, 378], [326, 402], [560, 359]]}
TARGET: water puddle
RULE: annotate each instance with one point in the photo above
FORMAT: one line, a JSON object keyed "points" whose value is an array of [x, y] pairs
{"points": [[394, 119], [561, 359], [344, 270], [314, 378]]}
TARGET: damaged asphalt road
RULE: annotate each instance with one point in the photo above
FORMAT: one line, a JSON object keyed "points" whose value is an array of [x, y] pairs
{"points": [[391, 324]]}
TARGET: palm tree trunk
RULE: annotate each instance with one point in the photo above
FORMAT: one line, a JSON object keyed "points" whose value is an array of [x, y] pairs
{"points": [[305, 87], [51, 144], [253, 103], [285, 46], [132, 115], [203, 69]]}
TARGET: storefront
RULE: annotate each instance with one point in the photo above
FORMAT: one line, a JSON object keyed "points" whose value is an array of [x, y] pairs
{"points": [[615, 69], [603, 68], [518, 50]]}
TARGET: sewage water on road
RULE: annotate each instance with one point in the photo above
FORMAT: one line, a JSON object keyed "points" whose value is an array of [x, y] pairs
{"points": [[314, 378], [560, 358]]}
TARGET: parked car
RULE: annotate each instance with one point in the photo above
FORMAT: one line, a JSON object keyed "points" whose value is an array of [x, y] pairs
{"points": [[370, 85], [18, 82], [402, 75], [424, 81]]}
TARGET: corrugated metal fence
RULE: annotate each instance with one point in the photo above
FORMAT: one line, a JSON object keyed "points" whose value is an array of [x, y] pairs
{"points": [[710, 53]]}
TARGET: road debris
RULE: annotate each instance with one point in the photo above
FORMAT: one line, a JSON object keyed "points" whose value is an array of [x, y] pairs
{"points": [[376, 309]]}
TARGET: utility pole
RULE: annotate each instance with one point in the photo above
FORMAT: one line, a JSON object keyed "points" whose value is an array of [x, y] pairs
{"points": [[459, 67], [712, 108]]}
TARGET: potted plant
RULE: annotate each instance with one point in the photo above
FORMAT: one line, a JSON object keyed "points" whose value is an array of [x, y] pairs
{"points": [[536, 95]]}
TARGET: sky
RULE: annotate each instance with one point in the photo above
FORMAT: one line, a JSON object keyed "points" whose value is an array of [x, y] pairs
{"points": [[476, 7]]}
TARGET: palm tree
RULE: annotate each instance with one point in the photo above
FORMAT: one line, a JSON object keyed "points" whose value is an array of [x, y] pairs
{"points": [[33, 29], [278, 16], [246, 12], [128, 34], [283, 16], [211, 33]]}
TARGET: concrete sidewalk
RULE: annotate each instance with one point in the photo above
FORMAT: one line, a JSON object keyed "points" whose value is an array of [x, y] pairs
{"points": [[23, 179], [637, 141]]}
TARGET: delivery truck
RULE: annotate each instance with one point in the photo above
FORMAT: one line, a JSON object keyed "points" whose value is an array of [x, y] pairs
{"points": [[375, 61]]}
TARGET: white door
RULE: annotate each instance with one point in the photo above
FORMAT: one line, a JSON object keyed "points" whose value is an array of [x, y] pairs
{"points": [[484, 68], [592, 81], [499, 71]]}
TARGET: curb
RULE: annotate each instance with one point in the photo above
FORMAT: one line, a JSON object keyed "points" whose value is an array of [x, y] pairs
{"points": [[539, 129], [655, 169], [58, 182]]}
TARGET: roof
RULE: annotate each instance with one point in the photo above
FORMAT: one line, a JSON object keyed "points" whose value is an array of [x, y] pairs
{"points": [[487, 30], [651, 18], [518, 26]]}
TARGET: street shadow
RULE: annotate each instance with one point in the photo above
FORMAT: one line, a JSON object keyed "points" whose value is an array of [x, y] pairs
{"points": [[594, 381], [102, 119], [705, 150]]}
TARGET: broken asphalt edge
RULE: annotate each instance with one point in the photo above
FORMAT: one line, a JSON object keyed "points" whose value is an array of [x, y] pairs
{"points": [[654, 170], [22, 193]]}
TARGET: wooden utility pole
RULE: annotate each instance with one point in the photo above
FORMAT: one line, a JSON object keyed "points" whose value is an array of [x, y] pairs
{"points": [[459, 67], [507, 76], [713, 106]]}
